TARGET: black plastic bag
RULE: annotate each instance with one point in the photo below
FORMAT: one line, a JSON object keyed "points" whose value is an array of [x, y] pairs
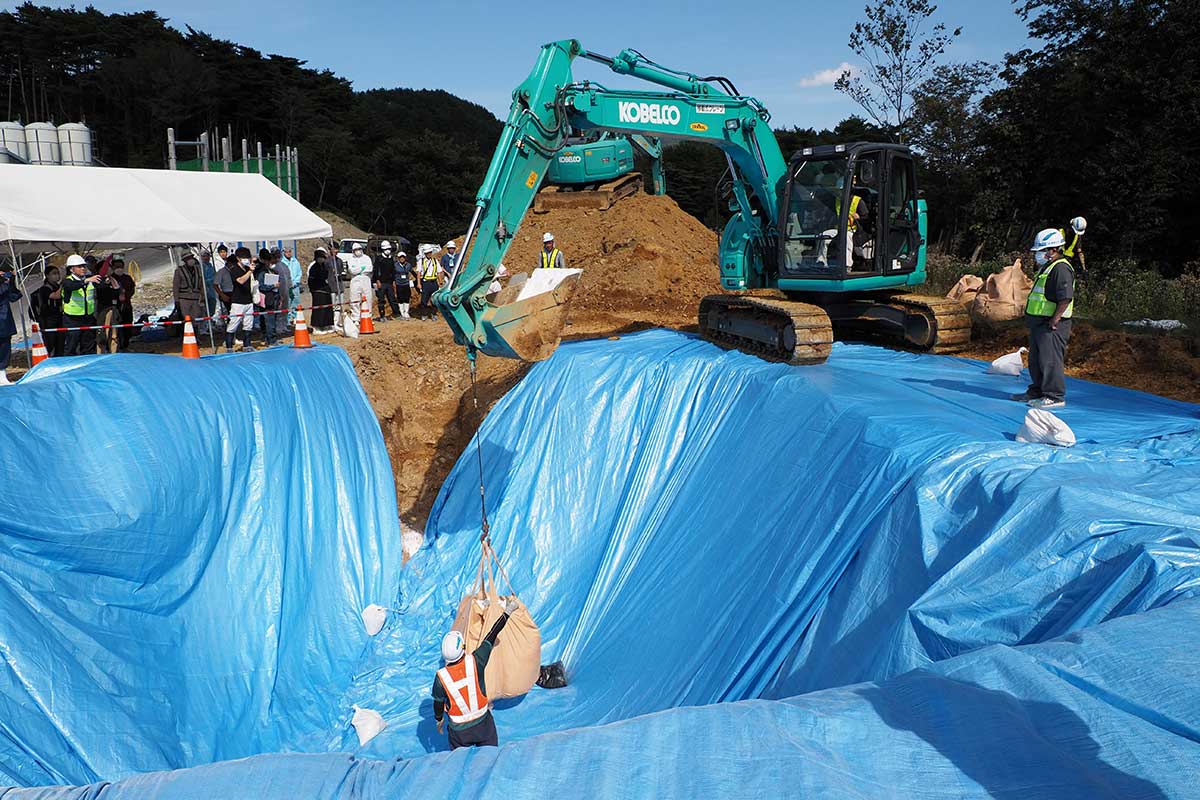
{"points": [[552, 676]]}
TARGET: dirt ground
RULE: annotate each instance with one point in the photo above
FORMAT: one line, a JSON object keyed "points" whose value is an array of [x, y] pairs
{"points": [[646, 264]]}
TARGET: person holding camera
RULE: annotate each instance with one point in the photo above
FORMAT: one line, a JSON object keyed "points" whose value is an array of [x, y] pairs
{"points": [[79, 307], [45, 303]]}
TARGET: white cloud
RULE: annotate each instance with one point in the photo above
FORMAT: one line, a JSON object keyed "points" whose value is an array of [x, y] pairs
{"points": [[827, 77]]}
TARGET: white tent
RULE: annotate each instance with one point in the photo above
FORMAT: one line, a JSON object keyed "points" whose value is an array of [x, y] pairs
{"points": [[72, 208]]}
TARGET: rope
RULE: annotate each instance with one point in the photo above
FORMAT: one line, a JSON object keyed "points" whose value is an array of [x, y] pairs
{"points": [[485, 536]]}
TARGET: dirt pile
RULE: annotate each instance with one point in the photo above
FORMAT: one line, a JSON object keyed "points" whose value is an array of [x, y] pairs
{"points": [[342, 229], [1158, 363], [645, 257]]}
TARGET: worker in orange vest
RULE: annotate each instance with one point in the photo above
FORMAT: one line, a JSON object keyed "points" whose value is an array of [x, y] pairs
{"points": [[459, 690]]}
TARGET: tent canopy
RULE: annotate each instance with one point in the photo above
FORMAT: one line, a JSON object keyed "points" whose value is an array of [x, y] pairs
{"points": [[64, 207]]}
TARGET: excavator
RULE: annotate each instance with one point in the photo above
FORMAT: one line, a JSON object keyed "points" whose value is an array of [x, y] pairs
{"points": [[838, 231], [596, 170]]}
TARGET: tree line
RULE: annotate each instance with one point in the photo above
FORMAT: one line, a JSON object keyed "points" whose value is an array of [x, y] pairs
{"points": [[399, 160], [1096, 117]]}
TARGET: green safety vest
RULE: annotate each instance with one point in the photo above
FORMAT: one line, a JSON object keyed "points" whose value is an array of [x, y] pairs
{"points": [[1037, 305], [549, 259], [81, 302], [429, 271]]}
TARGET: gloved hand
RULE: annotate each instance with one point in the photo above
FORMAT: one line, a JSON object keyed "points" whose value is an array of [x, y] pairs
{"points": [[510, 604], [483, 602]]}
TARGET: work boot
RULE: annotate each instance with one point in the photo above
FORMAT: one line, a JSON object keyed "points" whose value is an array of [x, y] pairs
{"points": [[1023, 397], [1046, 402], [404, 311]]}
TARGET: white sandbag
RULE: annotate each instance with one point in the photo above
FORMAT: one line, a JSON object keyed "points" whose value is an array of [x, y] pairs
{"points": [[350, 326], [1010, 364], [373, 617], [410, 542], [1042, 427], [367, 724]]}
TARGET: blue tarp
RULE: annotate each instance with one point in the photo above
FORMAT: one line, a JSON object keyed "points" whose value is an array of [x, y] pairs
{"points": [[694, 527], [185, 547]]}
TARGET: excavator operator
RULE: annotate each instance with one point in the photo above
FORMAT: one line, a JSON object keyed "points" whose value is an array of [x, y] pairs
{"points": [[459, 690]]}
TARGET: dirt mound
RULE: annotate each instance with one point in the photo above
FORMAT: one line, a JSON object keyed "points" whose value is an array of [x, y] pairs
{"points": [[342, 229], [644, 256], [1158, 363]]}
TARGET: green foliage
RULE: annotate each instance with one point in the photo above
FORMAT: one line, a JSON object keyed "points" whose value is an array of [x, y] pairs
{"points": [[1122, 289], [900, 55], [366, 154]]}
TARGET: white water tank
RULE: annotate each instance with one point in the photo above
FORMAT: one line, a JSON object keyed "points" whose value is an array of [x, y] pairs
{"points": [[42, 140], [75, 144], [12, 140]]}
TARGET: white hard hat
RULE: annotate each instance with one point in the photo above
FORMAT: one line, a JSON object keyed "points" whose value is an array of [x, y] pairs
{"points": [[1079, 225], [1047, 239], [385, 245], [547, 237], [356, 246], [453, 647], [76, 261], [451, 243], [402, 253]]}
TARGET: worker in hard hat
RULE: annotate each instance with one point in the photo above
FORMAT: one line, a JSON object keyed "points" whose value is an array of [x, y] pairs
{"points": [[405, 279], [359, 267], [430, 271], [459, 689], [79, 307], [383, 275], [1048, 316], [447, 262], [551, 256]]}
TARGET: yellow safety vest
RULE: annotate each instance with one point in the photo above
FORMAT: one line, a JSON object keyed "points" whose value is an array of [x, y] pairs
{"points": [[429, 269], [81, 302], [855, 200], [1037, 305], [549, 259]]}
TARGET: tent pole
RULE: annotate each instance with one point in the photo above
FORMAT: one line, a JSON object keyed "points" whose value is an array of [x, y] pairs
{"points": [[204, 288]]}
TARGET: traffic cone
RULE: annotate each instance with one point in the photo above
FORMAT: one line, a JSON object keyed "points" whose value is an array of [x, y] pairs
{"points": [[191, 348], [302, 339], [365, 323], [39, 346]]}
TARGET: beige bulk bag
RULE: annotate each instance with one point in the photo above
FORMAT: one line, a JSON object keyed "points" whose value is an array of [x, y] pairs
{"points": [[965, 290], [516, 659], [1003, 295]]}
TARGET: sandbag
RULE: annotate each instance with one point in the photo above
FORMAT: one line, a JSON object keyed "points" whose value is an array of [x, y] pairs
{"points": [[1042, 427], [516, 660], [1010, 364], [965, 290], [1003, 295]]}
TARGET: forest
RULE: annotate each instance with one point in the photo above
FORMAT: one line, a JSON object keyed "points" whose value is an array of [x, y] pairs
{"points": [[1096, 117]]}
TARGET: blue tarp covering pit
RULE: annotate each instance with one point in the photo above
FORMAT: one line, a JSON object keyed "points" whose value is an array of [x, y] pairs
{"points": [[695, 527]]}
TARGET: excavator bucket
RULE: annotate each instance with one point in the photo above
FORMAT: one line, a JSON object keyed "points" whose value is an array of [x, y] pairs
{"points": [[526, 318]]}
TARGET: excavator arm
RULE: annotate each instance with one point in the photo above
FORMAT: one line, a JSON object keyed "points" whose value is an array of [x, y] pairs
{"points": [[545, 107]]}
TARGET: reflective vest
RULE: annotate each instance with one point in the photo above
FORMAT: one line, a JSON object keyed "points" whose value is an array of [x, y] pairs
{"points": [[1037, 305], [855, 200], [465, 698], [81, 302], [429, 269], [549, 260]]}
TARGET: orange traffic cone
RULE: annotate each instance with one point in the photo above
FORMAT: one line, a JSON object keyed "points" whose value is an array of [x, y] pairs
{"points": [[191, 349], [302, 339], [39, 346], [365, 323]]}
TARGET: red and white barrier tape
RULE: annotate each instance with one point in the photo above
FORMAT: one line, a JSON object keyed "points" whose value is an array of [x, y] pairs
{"points": [[164, 322]]}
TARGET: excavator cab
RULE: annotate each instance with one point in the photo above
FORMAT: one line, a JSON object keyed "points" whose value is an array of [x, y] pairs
{"points": [[850, 211]]}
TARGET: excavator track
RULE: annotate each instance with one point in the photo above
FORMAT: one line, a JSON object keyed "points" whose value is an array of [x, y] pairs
{"points": [[950, 324], [601, 198], [775, 330]]}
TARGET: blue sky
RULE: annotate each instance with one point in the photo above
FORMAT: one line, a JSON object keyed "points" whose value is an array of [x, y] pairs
{"points": [[784, 53]]}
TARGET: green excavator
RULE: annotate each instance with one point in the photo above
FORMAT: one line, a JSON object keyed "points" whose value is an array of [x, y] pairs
{"points": [[596, 170], [837, 231]]}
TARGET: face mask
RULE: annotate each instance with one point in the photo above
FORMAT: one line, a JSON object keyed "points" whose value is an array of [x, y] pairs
{"points": [[1041, 257], [245, 262]]}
